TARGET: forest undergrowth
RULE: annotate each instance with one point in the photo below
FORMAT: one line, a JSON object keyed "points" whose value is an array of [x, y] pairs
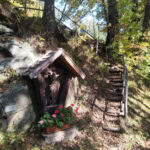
{"points": [[90, 134]]}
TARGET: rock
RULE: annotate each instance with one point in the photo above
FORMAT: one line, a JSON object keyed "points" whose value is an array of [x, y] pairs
{"points": [[2, 78], [18, 108], [72, 92], [5, 30], [67, 134], [4, 63], [23, 54], [16, 101], [6, 8]]}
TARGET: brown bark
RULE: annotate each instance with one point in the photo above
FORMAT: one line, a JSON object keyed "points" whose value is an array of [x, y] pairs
{"points": [[49, 22], [113, 17], [49, 17], [146, 21], [42, 86], [52, 33], [64, 90]]}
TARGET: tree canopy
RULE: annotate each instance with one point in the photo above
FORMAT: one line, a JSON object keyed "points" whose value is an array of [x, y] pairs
{"points": [[124, 26]]}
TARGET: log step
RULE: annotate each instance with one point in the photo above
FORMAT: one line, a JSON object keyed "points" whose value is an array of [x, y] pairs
{"points": [[111, 118], [116, 81], [114, 90], [111, 126], [116, 74], [113, 93], [111, 129], [113, 121], [115, 71], [111, 114], [114, 99], [115, 77], [117, 84], [112, 109], [114, 104], [107, 64], [116, 68]]}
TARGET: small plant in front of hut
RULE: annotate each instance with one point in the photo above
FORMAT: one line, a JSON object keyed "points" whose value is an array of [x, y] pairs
{"points": [[60, 117]]}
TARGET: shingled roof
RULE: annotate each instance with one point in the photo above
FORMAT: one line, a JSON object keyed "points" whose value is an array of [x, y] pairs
{"points": [[49, 58]]}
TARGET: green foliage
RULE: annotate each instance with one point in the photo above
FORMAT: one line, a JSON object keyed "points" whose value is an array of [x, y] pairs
{"points": [[29, 4], [131, 41], [10, 74]]}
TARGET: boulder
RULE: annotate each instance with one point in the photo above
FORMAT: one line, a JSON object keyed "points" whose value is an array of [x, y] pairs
{"points": [[72, 91], [67, 134], [23, 54], [15, 101], [5, 30], [6, 9], [17, 106]]}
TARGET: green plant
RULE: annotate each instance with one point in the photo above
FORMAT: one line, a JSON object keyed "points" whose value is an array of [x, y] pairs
{"points": [[61, 116]]}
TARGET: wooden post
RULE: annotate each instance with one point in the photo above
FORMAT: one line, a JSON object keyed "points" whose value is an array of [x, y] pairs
{"points": [[64, 90], [126, 94], [42, 86]]}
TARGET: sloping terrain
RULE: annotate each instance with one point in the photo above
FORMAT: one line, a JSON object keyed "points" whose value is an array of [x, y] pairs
{"points": [[89, 121]]}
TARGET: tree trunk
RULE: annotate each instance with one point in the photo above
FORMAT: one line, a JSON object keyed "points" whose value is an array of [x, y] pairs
{"points": [[52, 32], [113, 18], [49, 16], [146, 21], [49, 21], [136, 2]]}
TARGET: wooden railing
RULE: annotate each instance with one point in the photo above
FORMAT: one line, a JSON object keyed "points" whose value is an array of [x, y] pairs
{"points": [[63, 14], [124, 102]]}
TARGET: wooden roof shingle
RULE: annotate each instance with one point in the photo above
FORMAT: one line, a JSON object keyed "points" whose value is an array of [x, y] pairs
{"points": [[49, 59]]}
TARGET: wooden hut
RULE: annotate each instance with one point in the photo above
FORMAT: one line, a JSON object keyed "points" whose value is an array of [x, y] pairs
{"points": [[51, 79]]}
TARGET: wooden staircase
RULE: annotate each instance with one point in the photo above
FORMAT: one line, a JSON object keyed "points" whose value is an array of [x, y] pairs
{"points": [[115, 99]]}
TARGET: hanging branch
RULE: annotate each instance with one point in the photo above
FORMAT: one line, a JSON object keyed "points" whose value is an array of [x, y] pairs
{"points": [[62, 14], [25, 6]]}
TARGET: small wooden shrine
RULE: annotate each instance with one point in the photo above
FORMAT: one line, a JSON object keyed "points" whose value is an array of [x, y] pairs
{"points": [[51, 79]]}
